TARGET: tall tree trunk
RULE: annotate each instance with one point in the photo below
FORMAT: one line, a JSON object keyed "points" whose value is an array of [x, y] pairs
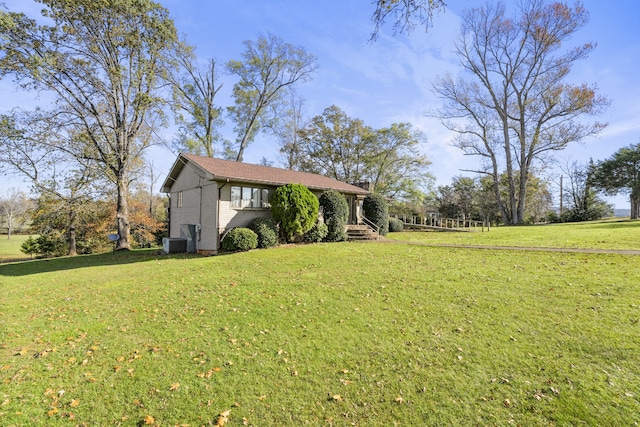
{"points": [[635, 207], [122, 214], [496, 191], [72, 232], [522, 195]]}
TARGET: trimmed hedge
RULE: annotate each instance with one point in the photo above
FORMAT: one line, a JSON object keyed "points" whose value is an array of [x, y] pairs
{"points": [[266, 230], [317, 233], [395, 225], [295, 208], [240, 239], [335, 210], [376, 209]]}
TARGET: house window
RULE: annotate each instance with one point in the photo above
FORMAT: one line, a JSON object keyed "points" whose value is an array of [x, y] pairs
{"points": [[249, 197], [179, 201]]}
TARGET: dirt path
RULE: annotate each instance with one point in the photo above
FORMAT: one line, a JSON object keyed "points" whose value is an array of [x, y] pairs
{"points": [[519, 248]]}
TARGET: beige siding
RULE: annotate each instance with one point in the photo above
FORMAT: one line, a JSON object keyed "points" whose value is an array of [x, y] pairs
{"points": [[199, 198], [209, 234], [231, 217]]}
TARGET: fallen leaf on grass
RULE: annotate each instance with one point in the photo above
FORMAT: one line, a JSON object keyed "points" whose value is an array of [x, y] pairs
{"points": [[174, 386], [74, 403], [22, 351], [149, 420], [335, 397], [223, 418]]}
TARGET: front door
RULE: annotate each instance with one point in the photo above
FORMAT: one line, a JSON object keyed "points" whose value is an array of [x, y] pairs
{"points": [[353, 210]]}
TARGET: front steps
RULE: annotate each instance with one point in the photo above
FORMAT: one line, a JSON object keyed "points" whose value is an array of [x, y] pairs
{"points": [[361, 232]]}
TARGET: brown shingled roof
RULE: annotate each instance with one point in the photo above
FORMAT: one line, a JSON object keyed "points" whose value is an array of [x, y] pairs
{"points": [[246, 172]]}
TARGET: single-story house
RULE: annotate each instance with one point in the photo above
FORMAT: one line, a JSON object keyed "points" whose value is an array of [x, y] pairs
{"points": [[211, 196]]}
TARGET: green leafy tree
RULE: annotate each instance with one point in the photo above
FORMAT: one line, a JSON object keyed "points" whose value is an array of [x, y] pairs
{"points": [[69, 226], [30, 144], [466, 195], [295, 208], [336, 145], [580, 196], [446, 202], [269, 67], [344, 148], [621, 174], [335, 211], [376, 210], [101, 61], [514, 106], [395, 166]]}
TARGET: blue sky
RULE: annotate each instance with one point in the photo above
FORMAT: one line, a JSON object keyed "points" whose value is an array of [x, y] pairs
{"points": [[389, 81]]}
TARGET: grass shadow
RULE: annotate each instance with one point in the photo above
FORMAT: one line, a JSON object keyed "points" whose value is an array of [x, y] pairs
{"points": [[25, 268]]}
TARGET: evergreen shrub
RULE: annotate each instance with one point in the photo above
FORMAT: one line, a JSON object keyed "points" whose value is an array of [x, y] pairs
{"points": [[240, 239], [395, 225], [376, 209], [266, 230], [317, 233], [295, 208], [335, 210]]}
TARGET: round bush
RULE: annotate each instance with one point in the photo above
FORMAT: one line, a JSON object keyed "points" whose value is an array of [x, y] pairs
{"points": [[240, 239], [266, 230], [335, 210], [376, 210], [295, 208], [317, 233], [395, 225]]}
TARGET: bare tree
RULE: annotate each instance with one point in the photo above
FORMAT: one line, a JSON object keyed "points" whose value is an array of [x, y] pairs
{"points": [[516, 107], [14, 208], [286, 129], [405, 14], [194, 89]]}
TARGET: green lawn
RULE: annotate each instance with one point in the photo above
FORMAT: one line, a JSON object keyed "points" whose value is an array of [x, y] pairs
{"points": [[610, 234], [10, 248], [328, 334]]}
